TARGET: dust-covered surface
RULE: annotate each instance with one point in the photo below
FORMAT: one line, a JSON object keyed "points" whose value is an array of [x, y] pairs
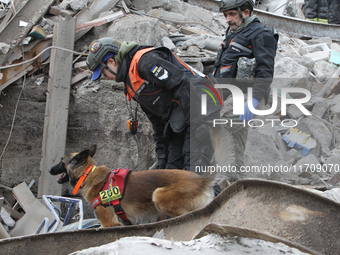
{"points": [[210, 245], [98, 112]]}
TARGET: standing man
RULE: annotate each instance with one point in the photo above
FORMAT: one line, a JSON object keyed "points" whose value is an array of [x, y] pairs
{"points": [[334, 11], [245, 59], [160, 83], [317, 10]]}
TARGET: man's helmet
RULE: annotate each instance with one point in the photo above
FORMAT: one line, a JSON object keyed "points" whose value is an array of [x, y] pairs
{"points": [[100, 51], [226, 5]]}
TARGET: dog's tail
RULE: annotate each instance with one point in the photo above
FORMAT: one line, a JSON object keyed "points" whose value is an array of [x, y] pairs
{"points": [[222, 141]]}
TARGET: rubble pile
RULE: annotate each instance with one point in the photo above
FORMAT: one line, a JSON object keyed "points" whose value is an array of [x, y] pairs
{"points": [[98, 112]]}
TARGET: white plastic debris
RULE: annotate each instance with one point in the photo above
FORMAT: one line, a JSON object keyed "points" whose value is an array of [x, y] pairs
{"points": [[6, 217], [23, 24]]}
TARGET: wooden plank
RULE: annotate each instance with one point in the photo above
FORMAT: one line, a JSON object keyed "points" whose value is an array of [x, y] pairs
{"points": [[81, 64], [126, 9], [82, 29], [12, 34], [24, 196], [93, 10], [3, 232], [99, 21], [56, 112], [80, 76], [326, 90]]}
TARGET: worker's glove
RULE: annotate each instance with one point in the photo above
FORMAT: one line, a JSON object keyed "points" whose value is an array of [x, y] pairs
{"points": [[248, 115], [161, 163]]}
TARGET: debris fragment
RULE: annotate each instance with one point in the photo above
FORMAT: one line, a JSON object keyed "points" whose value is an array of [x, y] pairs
{"points": [[296, 138]]}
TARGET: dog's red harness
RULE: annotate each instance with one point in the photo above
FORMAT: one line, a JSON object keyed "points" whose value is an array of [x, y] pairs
{"points": [[113, 192]]}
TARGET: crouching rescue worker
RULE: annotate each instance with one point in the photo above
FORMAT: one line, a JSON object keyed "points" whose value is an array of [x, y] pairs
{"points": [[160, 83], [245, 59]]}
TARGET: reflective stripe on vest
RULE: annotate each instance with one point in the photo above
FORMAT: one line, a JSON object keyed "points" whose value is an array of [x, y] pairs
{"points": [[136, 80]]}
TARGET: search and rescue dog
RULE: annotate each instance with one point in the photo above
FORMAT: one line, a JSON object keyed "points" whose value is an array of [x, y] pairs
{"points": [[146, 196]]}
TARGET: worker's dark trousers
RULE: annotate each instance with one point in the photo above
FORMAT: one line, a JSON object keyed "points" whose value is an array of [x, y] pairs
{"points": [[180, 157]]}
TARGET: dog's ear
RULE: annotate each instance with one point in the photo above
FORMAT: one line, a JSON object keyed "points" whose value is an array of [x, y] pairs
{"points": [[79, 159], [93, 149]]}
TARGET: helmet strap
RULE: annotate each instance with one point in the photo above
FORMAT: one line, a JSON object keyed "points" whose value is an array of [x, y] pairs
{"points": [[240, 13], [107, 68]]}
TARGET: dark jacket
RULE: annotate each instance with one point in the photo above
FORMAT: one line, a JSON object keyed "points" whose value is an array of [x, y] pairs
{"points": [[255, 41], [165, 94]]}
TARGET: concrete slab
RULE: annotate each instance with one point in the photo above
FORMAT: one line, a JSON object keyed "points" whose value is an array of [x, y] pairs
{"points": [[24, 196], [32, 219], [56, 113], [3, 232]]}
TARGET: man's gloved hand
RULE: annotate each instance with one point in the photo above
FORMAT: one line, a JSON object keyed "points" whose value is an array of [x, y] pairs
{"points": [[248, 115], [161, 163]]}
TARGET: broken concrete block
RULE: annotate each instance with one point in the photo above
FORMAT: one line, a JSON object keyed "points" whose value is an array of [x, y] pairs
{"points": [[43, 22], [167, 42], [77, 5], [333, 194], [320, 40], [284, 39], [318, 130], [196, 13], [315, 48], [195, 41], [308, 166], [335, 46], [300, 42], [4, 48], [289, 73], [143, 30], [166, 5], [319, 55], [316, 180], [168, 28], [258, 142], [291, 155], [64, 4], [335, 106], [48, 29], [294, 112], [333, 164], [318, 73], [320, 108], [304, 61], [160, 13]]}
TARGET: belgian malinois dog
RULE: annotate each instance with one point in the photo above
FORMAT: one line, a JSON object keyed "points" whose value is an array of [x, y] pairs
{"points": [[147, 194]]}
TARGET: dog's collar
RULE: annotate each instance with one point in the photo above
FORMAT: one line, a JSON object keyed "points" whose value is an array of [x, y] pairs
{"points": [[82, 178]]}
